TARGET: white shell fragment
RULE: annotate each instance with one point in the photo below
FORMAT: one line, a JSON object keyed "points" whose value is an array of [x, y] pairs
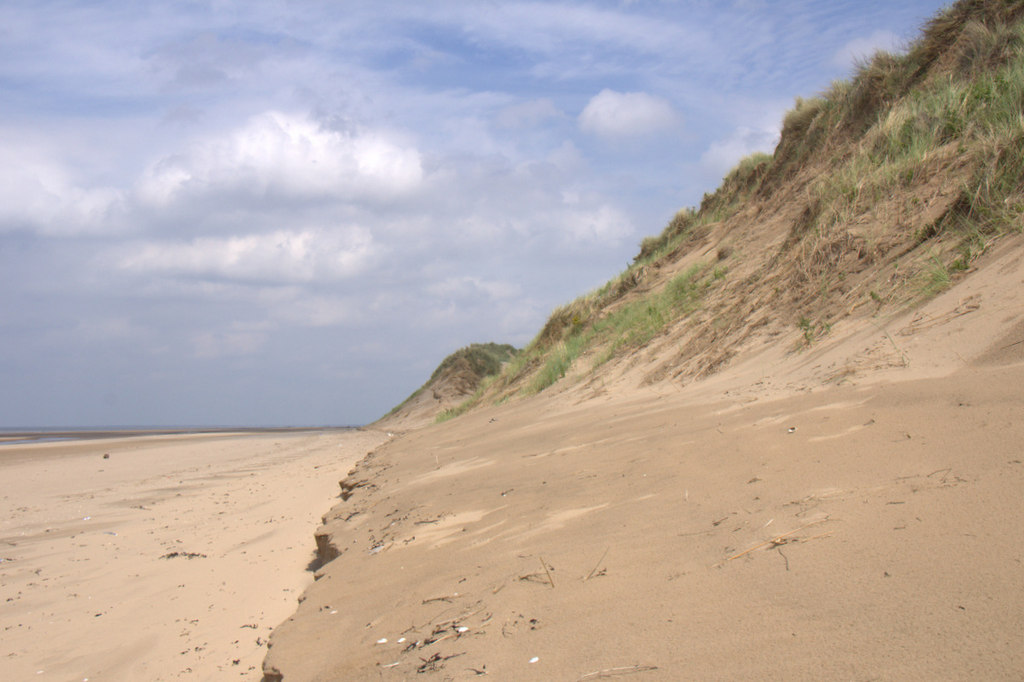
{"points": [[382, 640], [534, 659]]}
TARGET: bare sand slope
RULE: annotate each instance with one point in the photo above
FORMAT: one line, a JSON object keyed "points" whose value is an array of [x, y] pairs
{"points": [[855, 533], [171, 559], [851, 511]]}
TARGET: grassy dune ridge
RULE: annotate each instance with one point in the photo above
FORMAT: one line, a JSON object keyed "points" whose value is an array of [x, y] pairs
{"points": [[888, 185]]}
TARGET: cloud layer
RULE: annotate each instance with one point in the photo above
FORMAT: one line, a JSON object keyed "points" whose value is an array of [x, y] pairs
{"points": [[266, 213]]}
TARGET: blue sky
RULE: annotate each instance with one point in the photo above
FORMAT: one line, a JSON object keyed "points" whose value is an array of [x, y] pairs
{"points": [[288, 212]]}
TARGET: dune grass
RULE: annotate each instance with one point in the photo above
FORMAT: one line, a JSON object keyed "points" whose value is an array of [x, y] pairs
{"points": [[478, 362], [957, 96], [629, 326]]}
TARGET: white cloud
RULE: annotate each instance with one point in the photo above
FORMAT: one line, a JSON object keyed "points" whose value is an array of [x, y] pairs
{"points": [[722, 155], [552, 28], [37, 193], [624, 114], [286, 156], [282, 256], [605, 224], [861, 49]]}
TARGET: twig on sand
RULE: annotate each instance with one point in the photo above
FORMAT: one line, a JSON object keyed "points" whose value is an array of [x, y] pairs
{"points": [[597, 565], [185, 555], [435, 662], [776, 541], [783, 556], [614, 672], [550, 579]]}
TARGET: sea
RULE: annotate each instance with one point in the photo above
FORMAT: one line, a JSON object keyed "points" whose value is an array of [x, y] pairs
{"points": [[51, 434]]}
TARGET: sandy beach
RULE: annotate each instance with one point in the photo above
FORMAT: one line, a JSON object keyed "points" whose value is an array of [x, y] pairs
{"points": [[171, 558]]}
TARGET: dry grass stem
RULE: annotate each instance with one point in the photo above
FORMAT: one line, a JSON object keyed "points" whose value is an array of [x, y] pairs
{"points": [[775, 541], [545, 565], [615, 672], [597, 565]]}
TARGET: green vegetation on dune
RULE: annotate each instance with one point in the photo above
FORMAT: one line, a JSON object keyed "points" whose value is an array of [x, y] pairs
{"points": [[483, 359], [690, 224], [473, 364], [630, 325]]}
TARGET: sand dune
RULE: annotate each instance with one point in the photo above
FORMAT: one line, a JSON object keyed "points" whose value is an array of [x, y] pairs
{"points": [[785, 519]]}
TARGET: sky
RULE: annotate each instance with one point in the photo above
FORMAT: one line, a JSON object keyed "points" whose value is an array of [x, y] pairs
{"points": [[288, 212]]}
